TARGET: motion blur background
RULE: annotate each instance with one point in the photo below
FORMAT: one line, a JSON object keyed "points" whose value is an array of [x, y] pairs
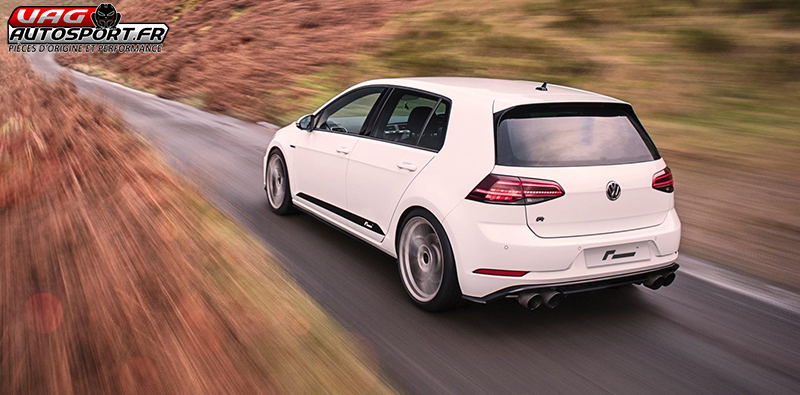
{"points": [[715, 82], [156, 291]]}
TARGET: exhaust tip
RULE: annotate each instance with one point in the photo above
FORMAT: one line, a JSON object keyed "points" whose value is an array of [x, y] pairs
{"points": [[552, 298], [654, 282], [669, 279], [530, 300]]}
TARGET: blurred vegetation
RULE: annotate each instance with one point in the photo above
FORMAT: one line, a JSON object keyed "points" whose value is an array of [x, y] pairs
{"points": [[705, 41], [787, 10], [118, 278], [714, 81]]}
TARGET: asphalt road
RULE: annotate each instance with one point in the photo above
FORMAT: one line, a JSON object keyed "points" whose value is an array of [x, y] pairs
{"points": [[694, 337]]}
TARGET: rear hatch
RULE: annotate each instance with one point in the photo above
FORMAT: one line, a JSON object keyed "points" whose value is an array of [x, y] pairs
{"points": [[601, 157]]}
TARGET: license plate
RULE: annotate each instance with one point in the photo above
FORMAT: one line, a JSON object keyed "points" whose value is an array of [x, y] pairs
{"points": [[613, 255]]}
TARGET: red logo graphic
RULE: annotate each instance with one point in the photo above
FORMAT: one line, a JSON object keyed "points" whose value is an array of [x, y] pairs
{"points": [[52, 17]]}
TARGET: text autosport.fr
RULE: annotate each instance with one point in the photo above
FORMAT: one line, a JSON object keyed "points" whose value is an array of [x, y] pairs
{"points": [[125, 33]]}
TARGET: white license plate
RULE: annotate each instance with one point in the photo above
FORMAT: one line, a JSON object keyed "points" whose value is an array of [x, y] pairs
{"points": [[613, 255]]}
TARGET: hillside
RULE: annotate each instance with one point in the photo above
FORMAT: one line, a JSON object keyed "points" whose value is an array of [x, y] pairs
{"points": [[714, 81], [238, 56]]}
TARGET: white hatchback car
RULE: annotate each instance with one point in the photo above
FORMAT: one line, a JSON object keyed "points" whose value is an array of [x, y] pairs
{"points": [[485, 188]]}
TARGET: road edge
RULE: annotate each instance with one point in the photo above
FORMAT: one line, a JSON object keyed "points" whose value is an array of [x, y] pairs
{"points": [[736, 282]]}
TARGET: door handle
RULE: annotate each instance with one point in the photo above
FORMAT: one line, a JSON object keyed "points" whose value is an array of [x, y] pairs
{"points": [[407, 166], [343, 150]]}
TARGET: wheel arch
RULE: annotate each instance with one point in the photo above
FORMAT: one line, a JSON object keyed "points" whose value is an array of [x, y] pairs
{"points": [[283, 141]]}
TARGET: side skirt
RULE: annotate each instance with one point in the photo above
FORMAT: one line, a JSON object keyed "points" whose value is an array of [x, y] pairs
{"points": [[363, 222]]}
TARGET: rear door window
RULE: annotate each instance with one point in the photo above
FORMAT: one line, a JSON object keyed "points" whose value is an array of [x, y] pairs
{"points": [[560, 135], [413, 118], [433, 136]]}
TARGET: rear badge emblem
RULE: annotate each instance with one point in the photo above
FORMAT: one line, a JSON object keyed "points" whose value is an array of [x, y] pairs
{"points": [[614, 255], [613, 191]]}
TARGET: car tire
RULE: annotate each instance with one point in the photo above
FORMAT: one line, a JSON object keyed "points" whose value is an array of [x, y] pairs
{"points": [[426, 262], [279, 194]]}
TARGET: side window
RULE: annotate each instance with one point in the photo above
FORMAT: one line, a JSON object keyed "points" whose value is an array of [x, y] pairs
{"points": [[404, 116], [349, 113], [433, 136]]}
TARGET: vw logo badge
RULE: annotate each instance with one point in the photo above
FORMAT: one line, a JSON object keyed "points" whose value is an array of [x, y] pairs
{"points": [[613, 191]]}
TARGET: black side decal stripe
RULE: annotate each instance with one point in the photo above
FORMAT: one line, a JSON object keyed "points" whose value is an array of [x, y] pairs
{"points": [[363, 222]]}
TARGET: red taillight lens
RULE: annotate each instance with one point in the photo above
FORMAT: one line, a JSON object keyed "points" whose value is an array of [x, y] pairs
{"points": [[515, 190], [663, 181], [499, 189], [536, 191]]}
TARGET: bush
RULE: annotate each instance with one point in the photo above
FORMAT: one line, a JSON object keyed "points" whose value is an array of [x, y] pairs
{"points": [[578, 15], [789, 9], [780, 64], [705, 41]]}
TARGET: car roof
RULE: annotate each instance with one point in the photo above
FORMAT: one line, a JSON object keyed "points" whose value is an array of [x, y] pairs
{"points": [[503, 93]]}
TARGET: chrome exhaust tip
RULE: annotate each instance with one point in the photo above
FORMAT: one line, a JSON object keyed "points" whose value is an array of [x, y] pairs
{"points": [[530, 300]]}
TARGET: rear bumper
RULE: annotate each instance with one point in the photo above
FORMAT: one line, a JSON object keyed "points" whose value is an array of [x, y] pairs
{"points": [[493, 237], [568, 288]]}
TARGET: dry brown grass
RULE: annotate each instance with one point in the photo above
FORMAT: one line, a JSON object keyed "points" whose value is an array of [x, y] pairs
{"points": [[116, 278], [233, 55]]}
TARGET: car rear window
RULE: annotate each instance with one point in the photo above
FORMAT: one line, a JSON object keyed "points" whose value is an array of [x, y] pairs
{"points": [[561, 135]]}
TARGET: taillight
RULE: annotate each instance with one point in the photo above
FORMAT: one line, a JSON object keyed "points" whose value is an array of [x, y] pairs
{"points": [[663, 181], [514, 190]]}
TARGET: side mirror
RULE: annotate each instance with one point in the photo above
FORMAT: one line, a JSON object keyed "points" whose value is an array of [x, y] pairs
{"points": [[306, 122]]}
